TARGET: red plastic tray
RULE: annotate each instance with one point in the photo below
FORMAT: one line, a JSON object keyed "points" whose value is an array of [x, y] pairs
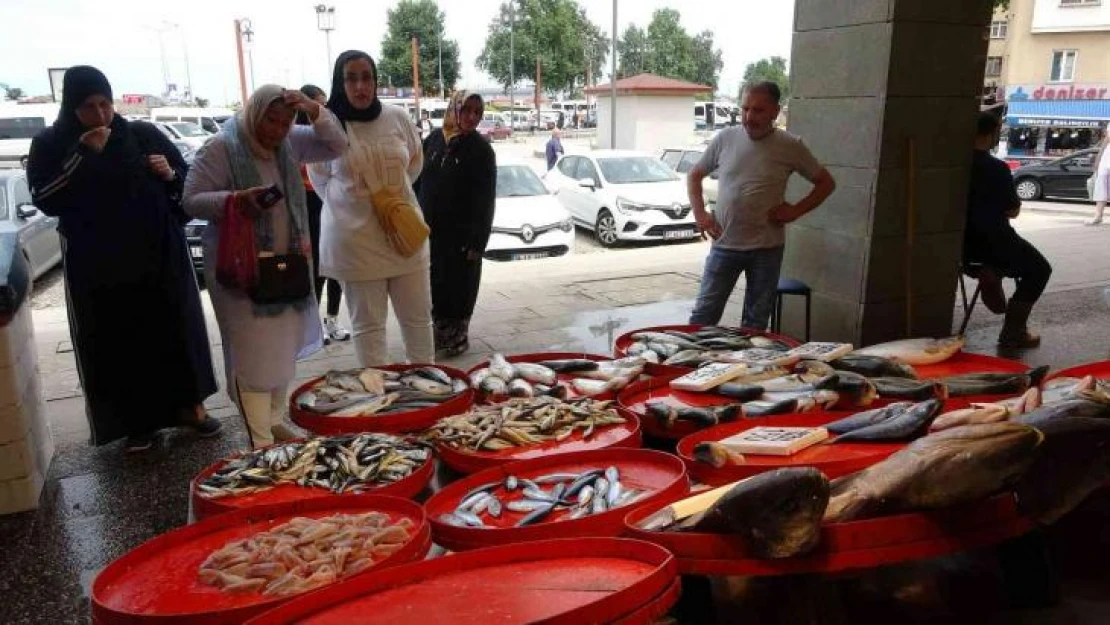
{"points": [[584, 580], [966, 362], [1100, 369], [832, 459], [656, 609], [411, 421], [156, 582], [540, 357], [624, 340], [663, 474], [622, 435], [204, 507], [845, 546]]}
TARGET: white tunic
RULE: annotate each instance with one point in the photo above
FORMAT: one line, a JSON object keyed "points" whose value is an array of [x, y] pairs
{"points": [[260, 351], [353, 246]]}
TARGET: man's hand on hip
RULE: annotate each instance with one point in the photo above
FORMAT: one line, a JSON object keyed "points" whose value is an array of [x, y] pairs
{"points": [[784, 213], [707, 223]]}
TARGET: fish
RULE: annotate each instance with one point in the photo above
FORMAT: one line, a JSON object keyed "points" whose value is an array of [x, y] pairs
{"points": [[590, 388], [500, 367], [434, 374], [1068, 408], [493, 385], [855, 390], [947, 468], [560, 391], [570, 365], [872, 366], [905, 425], [804, 401], [429, 386], [716, 455], [867, 417], [650, 337], [993, 383], [665, 350], [919, 351], [739, 391], [609, 373], [627, 361], [346, 380], [977, 413], [688, 358], [667, 414], [764, 342], [634, 349], [535, 373], [799, 382], [777, 514], [477, 376], [755, 373], [905, 388], [766, 408], [1059, 389], [522, 422], [521, 388], [1029, 401]]}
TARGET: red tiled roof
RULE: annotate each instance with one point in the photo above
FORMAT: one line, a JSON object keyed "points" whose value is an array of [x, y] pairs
{"points": [[651, 82]]}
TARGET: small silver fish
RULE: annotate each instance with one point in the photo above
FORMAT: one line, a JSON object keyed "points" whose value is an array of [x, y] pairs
{"points": [[526, 505], [469, 518]]}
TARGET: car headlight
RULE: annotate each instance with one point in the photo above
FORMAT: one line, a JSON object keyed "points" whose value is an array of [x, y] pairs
{"points": [[627, 206], [566, 226]]}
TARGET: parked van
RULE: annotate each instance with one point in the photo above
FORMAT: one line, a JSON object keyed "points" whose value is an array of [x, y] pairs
{"points": [[209, 119], [720, 115], [19, 123]]}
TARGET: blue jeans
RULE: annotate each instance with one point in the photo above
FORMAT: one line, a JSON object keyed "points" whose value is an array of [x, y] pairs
{"points": [[722, 270]]}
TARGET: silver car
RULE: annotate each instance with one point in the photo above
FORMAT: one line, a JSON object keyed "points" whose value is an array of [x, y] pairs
{"points": [[38, 234]]}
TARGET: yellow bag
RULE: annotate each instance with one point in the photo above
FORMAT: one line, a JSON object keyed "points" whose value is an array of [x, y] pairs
{"points": [[380, 173], [401, 223]]}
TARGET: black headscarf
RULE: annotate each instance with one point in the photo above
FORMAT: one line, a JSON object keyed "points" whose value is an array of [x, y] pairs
{"points": [[79, 82], [339, 104], [311, 91]]}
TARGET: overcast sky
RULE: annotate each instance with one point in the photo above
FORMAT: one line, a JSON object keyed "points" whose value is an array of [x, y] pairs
{"points": [[122, 38]]}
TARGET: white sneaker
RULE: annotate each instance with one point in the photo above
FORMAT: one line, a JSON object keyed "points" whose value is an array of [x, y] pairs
{"points": [[333, 331]]}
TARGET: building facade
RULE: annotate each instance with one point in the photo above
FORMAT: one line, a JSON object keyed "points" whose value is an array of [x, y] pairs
{"points": [[1049, 60]]}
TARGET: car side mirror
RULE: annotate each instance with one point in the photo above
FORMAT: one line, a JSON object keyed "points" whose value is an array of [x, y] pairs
{"points": [[26, 211], [587, 183]]}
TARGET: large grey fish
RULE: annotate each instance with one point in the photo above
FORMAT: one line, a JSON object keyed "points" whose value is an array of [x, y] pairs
{"points": [[777, 514], [905, 388], [1074, 459], [906, 425], [867, 417], [739, 391], [873, 366], [664, 338], [856, 391], [993, 383], [431, 373], [667, 414], [570, 365], [427, 385], [535, 373], [947, 468]]}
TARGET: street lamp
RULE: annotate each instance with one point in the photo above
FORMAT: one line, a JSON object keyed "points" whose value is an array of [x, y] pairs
{"points": [[185, 53], [325, 21], [439, 51], [248, 36], [512, 77]]}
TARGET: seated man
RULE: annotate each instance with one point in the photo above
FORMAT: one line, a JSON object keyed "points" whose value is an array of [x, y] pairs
{"points": [[990, 240]]}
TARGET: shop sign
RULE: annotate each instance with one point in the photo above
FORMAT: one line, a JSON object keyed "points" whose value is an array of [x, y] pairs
{"points": [[1014, 120], [1087, 91]]}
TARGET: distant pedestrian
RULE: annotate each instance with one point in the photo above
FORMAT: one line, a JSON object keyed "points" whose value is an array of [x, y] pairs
{"points": [[553, 149], [333, 330], [256, 150], [134, 309], [991, 241], [373, 236], [753, 164], [562, 121], [458, 191], [1101, 192], [732, 116]]}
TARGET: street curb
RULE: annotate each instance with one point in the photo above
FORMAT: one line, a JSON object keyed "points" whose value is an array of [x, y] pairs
{"points": [[1078, 211]]}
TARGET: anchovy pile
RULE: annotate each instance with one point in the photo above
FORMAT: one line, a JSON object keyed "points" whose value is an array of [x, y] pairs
{"points": [[536, 379], [350, 463], [522, 422], [578, 494], [365, 392], [708, 344]]}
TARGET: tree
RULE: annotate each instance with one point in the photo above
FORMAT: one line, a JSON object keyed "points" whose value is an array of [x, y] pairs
{"points": [[13, 93], [423, 19], [666, 49], [202, 102], [772, 69], [556, 32]]}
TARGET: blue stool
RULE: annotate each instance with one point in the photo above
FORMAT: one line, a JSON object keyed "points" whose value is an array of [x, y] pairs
{"points": [[789, 286]]}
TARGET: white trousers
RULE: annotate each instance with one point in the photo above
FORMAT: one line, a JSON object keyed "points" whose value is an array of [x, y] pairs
{"points": [[262, 410], [367, 303]]}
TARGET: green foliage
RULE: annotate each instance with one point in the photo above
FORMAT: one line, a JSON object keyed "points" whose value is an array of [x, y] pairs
{"points": [[13, 93], [557, 32], [666, 49], [423, 19], [773, 69]]}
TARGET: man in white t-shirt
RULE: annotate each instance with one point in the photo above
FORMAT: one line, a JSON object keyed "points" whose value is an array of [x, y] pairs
{"points": [[753, 161]]}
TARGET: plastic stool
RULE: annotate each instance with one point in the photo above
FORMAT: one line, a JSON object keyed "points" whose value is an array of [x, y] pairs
{"points": [[789, 286]]}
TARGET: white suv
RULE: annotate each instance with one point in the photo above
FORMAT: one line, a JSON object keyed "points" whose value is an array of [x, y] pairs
{"points": [[623, 195]]}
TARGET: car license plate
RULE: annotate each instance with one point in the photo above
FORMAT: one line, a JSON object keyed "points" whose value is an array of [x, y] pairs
{"points": [[678, 234], [529, 255], [197, 251]]}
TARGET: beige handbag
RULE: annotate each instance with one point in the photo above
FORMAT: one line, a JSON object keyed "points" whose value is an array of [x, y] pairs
{"points": [[380, 173]]}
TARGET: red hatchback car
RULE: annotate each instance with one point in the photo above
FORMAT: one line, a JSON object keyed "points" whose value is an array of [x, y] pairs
{"points": [[494, 130]]}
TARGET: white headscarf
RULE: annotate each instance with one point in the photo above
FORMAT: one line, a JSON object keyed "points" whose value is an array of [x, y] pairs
{"points": [[251, 116]]}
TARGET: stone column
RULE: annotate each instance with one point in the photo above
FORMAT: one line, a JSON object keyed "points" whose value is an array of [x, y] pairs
{"points": [[885, 93]]}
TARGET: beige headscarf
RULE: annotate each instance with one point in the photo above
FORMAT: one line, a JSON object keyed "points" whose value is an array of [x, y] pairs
{"points": [[454, 108], [251, 115]]}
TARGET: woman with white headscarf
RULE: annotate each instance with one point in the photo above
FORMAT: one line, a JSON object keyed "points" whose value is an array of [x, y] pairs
{"points": [[259, 148]]}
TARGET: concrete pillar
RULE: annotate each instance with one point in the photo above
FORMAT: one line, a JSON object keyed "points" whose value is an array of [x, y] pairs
{"points": [[885, 93]]}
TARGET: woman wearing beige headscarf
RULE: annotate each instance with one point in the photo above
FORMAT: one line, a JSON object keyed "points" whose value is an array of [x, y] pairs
{"points": [[258, 148]]}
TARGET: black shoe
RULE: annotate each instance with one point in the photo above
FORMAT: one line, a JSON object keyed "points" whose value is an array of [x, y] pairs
{"points": [[207, 427], [455, 350], [139, 443]]}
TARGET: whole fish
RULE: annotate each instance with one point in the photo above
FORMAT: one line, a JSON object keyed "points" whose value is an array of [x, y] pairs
{"points": [[955, 466], [905, 425], [494, 385], [977, 413], [535, 373], [716, 454], [739, 391], [501, 367], [905, 388], [609, 373], [872, 366], [521, 388], [799, 382], [804, 401], [1059, 389], [665, 350], [664, 338], [346, 380], [777, 513], [764, 342], [426, 385], [559, 390], [993, 383], [919, 351], [434, 374], [627, 361], [686, 336], [667, 414], [688, 358], [856, 391], [767, 408], [571, 365], [589, 388]]}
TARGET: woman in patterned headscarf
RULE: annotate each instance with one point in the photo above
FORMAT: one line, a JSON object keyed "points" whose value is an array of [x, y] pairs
{"points": [[261, 147], [458, 191]]}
